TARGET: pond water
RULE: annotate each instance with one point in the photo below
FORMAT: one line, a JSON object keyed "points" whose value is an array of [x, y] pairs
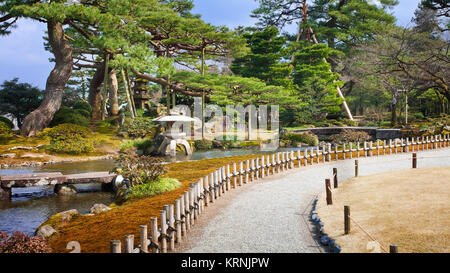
{"points": [[31, 206]]}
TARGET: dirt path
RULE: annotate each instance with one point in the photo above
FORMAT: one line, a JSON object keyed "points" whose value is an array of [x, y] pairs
{"points": [[271, 215]]}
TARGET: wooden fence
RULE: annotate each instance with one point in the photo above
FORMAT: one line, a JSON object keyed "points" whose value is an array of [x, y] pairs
{"points": [[177, 219]]}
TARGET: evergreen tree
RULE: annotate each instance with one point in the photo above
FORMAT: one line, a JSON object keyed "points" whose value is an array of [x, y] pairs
{"points": [[265, 61]]}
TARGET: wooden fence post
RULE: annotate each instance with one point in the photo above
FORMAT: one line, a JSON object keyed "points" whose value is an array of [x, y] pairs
{"points": [[163, 235], [211, 187], [241, 172], [187, 210], [356, 168], [357, 149], [191, 205], [155, 235], [263, 167], [144, 238], [328, 189], [346, 219], [116, 246], [178, 220], [183, 215], [343, 151], [335, 178], [228, 177], [247, 170], [129, 243], [414, 161], [171, 228], [393, 249]]}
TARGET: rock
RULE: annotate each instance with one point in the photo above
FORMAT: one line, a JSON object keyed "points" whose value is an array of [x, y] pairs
{"points": [[10, 155], [68, 214], [21, 148], [99, 208], [32, 156], [45, 231], [65, 189], [324, 240]]}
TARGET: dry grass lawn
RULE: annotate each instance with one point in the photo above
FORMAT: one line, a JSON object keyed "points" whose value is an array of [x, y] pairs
{"points": [[409, 208]]}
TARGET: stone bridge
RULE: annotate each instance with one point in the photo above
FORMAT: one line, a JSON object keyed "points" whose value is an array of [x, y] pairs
{"points": [[7, 182], [375, 132]]}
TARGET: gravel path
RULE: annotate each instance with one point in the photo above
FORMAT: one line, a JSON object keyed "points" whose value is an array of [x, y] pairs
{"points": [[271, 215]]}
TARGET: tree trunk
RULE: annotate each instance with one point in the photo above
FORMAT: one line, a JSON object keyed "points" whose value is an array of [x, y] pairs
{"points": [[393, 114], [113, 87], [95, 95], [41, 117]]}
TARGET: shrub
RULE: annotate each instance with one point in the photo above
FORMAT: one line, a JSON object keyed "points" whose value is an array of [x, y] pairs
{"points": [[19, 242], [68, 115], [5, 130], [138, 128], [7, 121], [139, 169], [160, 186], [139, 143], [307, 138], [82, 105], [70, 138], [350, 136], [203, 144]]}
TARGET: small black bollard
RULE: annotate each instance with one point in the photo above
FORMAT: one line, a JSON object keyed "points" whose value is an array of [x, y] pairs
{"points": [[414, 161]]}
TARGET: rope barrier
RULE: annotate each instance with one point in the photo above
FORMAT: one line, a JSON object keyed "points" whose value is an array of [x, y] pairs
{"points": [[367, 233]]}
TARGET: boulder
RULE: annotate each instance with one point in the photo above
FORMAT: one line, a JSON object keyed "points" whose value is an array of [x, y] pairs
{"points": [[45, 231], [65, 189], [68, 214], [99, 208]]}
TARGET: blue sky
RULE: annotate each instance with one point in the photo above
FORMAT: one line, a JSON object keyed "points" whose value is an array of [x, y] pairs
{"points": [[22, 53]]}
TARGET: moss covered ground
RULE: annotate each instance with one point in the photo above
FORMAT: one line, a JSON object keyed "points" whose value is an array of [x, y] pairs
{"points": [[95, 232]]}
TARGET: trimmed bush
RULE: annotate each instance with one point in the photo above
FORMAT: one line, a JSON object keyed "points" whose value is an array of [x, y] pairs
{"points": [[70, 138], [19, 242], [139, 169], [350, 136], [160, 186], [5, 130], [68, 115], [203, 144], [7, 121], [82, 105], [307, 138], [138, 128]]}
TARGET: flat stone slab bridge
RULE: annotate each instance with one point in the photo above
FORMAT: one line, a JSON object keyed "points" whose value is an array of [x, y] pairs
{"points": [[7, 182]]}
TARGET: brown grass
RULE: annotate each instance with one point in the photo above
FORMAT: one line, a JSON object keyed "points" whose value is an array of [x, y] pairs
{"points": [[408, 208], [95, 232]]}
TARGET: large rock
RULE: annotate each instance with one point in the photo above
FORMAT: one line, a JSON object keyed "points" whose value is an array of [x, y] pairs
{"points": [[45, 231], [65, 189], [68, 214], [99, 208]]}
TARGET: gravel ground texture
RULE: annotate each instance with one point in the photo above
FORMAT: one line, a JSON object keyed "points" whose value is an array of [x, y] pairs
{"points": [[271, 215]]}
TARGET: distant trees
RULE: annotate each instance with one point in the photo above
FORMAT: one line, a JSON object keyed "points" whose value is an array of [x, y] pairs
{"points": [[18, 99]]}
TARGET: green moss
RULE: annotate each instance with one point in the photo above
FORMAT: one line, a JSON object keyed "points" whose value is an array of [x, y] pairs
{"points": [[154, 188]]}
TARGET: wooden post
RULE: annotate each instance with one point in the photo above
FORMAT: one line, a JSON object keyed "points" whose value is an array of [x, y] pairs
{"points": [[263, 166], [346, 220], [257, 168], [155, 235], [172, 228], [329, 152], [292, 159], [144, 238], [328, 189], [116, 246], [163, 236], [178, 220], [252, 170], [241, 172], [235, 175], [129, 243], [305, 157], [393, 249], [247, 170], [356, 168], [414, 161], [192, 205], [378, 147], [228, 177], [365, 149], [357, 149], [183, 215], [335, 178], [390, 146], [211, 187], [343, 151], [187, 210], [299, 159]]}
